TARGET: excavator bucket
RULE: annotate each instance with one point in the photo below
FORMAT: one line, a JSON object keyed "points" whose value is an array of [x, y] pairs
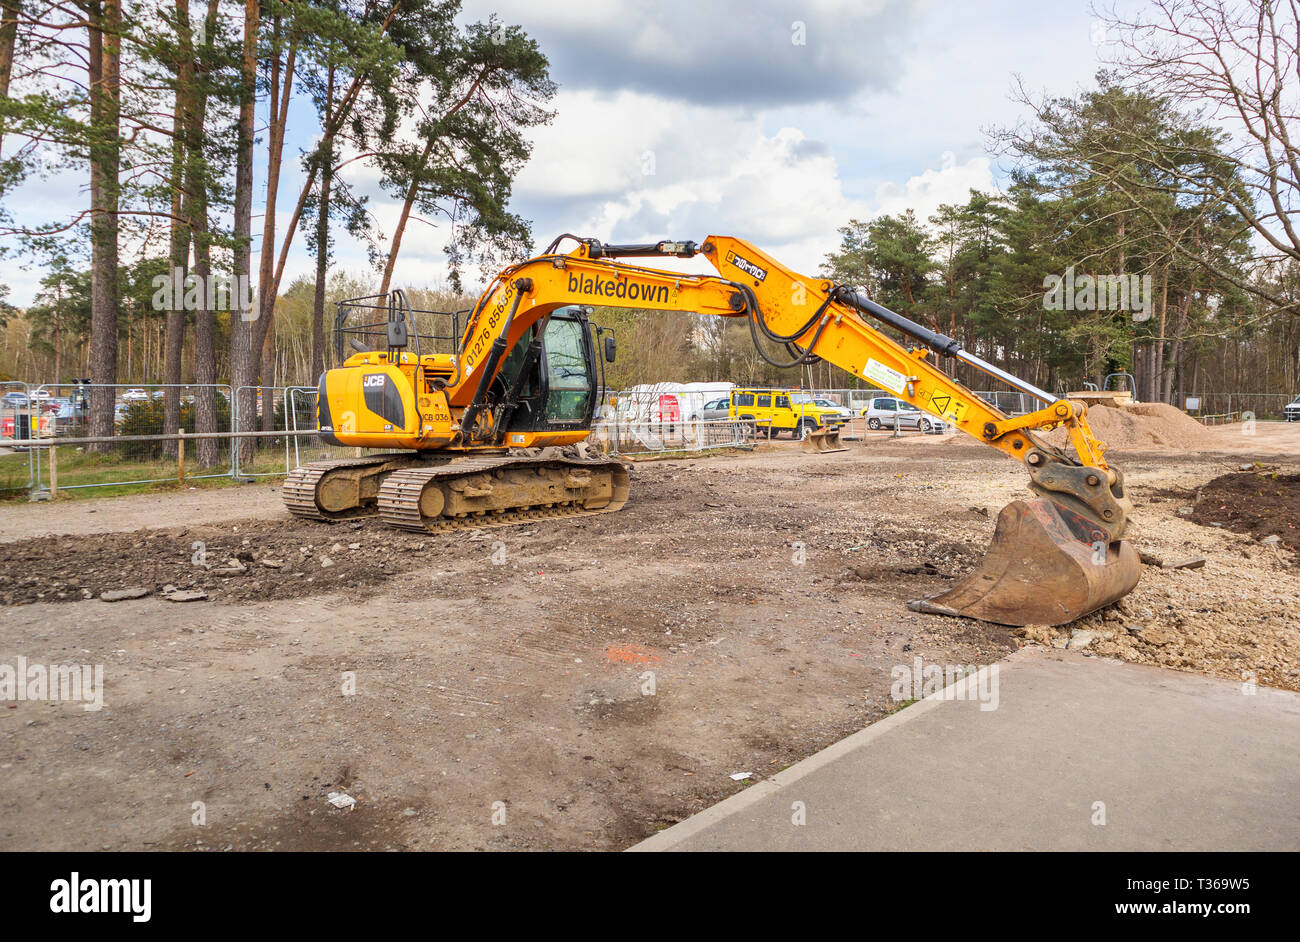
{"points": [[1046, 566], [823, 441]]}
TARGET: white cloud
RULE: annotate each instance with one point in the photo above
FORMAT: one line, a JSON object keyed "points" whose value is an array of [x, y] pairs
{"points": [[925, 192], [632, 167]]}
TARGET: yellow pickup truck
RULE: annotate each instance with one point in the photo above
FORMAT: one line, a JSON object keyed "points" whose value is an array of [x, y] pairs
{"points": [[769, 412]]}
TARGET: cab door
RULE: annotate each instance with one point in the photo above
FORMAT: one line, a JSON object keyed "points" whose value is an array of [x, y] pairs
{"points": [[559, 392]]}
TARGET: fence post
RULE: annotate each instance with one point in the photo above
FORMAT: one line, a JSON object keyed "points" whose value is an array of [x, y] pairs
{"points": [[234, 424], [287, 426], [180, 456], [54, 471]]}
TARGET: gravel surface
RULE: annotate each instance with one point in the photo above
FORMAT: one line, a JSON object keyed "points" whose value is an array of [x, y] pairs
{"points": [[576, 685]]}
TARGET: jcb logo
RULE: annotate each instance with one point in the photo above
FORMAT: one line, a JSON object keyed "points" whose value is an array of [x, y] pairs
{"points": [[373, 380]]}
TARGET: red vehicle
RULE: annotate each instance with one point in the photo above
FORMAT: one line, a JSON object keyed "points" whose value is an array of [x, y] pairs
{"points": [[670, 410]]}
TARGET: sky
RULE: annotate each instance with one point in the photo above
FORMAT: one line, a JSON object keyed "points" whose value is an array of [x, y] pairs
{"points": [[777, 122]]}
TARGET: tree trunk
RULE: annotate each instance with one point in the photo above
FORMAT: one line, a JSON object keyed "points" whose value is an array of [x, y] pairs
{"points": [[205, 350], [174, 341], [205, 345], [242, 365], [105, 107], [269, 397], [1184, 302], [322, 269], [264, 326], [322, 237], [8, 39], [261, 328], [411, 188], [55, 344]]}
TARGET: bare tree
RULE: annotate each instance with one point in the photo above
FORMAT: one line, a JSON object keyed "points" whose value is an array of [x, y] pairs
{"points": [[1236, 64], [280, 84]]}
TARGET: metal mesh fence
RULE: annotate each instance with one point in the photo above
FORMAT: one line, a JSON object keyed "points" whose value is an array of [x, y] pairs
{"points": [[16, 467], [263, 457], [61, 411], [300, 409], [653, 419], [294, 410], [1266, 406]]}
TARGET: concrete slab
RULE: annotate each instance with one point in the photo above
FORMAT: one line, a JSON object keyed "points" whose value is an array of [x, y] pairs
{"points": [[1177, 761]]}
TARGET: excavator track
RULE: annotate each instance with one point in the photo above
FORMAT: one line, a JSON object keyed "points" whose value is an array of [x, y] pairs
{"points": [[338, 488], [501, 490]]}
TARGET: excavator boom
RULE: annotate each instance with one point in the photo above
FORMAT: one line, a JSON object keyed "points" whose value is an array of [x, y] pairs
{"points": [[510, 385]]}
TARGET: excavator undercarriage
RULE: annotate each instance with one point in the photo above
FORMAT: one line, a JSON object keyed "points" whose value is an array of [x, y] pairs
{"points": [[445, 492]]}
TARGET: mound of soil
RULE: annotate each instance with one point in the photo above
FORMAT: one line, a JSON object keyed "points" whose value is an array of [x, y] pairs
{"points": [[1143, 426], [1249, 502]]}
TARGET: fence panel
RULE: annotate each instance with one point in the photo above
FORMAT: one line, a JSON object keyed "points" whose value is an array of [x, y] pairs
{"points": [[264, 457], [300, 410], [16, 467], [61, 411], [1263, 405], [627, 438]]}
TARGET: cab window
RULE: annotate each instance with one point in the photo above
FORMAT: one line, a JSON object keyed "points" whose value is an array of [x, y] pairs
{"points": [[513, 363], [569, 387]]}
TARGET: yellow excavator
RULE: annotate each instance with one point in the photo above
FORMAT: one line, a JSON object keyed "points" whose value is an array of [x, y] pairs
{"points": [[492, 431]]}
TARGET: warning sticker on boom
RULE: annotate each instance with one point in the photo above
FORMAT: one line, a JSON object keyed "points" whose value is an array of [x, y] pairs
{"points": [[949, 408], [884, 377]]}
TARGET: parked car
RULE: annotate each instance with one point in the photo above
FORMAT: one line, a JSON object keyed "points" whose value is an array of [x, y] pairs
{"points": [[888, 412], [717, 410], [1292, 410], [135, 395], [14, 400], [63, 417], [771, 412]]}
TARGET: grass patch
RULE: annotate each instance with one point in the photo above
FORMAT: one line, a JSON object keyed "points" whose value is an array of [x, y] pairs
{"points": [[79, 467]]}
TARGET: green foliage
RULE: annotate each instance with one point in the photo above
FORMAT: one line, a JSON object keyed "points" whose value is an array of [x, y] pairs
{"points": [[490, 83], [145, 417], [891, 256]]}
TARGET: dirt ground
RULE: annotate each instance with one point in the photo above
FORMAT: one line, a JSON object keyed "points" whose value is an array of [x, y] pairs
{"points": [[573, 685]]}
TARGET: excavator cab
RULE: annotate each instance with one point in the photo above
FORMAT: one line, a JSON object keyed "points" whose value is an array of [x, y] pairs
{"points": [[559, 388]]}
